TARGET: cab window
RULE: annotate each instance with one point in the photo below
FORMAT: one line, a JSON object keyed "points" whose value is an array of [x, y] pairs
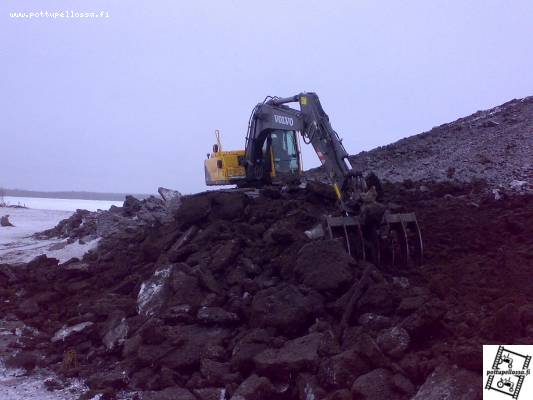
{"points": [[284, 151]]}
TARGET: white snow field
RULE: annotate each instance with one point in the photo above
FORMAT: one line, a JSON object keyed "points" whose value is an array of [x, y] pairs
{"points": [[16, 243], [41, 203]]}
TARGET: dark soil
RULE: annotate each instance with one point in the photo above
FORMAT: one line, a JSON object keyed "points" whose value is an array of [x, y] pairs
{"points": [[493, 145], [230, 299]]}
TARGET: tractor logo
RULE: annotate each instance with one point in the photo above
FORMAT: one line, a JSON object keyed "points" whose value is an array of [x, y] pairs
{"points": [[509, 370], [506, 358], [508, 383]]}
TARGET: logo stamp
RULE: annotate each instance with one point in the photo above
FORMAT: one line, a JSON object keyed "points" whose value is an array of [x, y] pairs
{"points": [[280, 119], [506, 372]]}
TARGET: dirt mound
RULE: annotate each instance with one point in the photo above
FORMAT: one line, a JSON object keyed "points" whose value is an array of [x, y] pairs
{"points": [[493, 145], [226, 298]]}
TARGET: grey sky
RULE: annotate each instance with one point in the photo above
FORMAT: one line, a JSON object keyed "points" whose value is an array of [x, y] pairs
{"points": [[130, 102]]}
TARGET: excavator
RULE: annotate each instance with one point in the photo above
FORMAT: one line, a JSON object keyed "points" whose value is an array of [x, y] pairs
{"points": [[272, 156]]}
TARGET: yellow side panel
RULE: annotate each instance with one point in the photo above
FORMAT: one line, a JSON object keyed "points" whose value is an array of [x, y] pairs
{"points": [[222, 168]]}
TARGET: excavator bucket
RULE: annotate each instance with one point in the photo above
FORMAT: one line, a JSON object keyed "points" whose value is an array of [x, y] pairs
{"points": [[396, 242], [402, 240], [348, 228]]}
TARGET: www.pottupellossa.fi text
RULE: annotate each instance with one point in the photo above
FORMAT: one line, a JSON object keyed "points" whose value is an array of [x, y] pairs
{"points": [[59, 14]]}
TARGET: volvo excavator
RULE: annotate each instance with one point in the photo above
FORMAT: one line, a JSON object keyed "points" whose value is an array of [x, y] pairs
{"points": [[272, 156]]}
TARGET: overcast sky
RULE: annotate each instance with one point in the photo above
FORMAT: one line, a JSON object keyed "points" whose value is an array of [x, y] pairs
{"points": [[130, 102]]}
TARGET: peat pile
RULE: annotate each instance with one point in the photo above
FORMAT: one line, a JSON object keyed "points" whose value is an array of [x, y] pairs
{"points": [[229, 299], [135, 214], [492, 145]]}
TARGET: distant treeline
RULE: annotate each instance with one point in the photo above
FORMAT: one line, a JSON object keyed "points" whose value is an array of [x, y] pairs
{"points": [[70, 195]]}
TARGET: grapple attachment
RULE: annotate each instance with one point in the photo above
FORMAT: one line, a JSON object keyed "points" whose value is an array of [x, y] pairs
{"points": [[397, 241]]}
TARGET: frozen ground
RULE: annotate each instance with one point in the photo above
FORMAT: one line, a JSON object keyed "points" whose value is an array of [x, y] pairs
{"points": [[17, 245], [15, 385], [61, 204]]}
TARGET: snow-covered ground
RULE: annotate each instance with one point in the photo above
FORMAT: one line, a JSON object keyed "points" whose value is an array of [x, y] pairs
{"points": [[16, 385], [16, 243], [61, 204]]}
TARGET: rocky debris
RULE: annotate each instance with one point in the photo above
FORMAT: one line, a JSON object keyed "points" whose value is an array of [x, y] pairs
{"points": [[27, 360], [52, 384], [4, 221], [403, 385], [226, 297], [247, 347], [153, 293], [506, 322], [381, 298], [341, 370], [325, 266], [80, 224], [66, 331], [29, 307], [374, 321], [285, 308], [216, 315], [394, 341], [172, 393], [492, 145], [518, 185], [308, 387], [254, 388], [294, 356], [172, 198], [115, 330], [424, 319], [122, 223], [448, 382], [114, 379], [375, 385], [211, 393]]}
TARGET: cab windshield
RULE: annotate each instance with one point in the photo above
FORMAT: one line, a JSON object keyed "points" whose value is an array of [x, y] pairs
{"points": [[284, 152]]}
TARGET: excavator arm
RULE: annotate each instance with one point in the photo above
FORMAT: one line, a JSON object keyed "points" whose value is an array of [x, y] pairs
{"points": [[318, 132]]}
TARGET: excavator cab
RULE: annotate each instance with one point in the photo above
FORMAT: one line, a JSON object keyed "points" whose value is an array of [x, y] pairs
{"points": [[282, 154]]}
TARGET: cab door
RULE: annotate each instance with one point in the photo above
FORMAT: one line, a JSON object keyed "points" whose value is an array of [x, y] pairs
{"points": [[284, 154]]}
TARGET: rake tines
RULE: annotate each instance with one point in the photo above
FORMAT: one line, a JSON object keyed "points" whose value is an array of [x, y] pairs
{"points": [[396, 242]]}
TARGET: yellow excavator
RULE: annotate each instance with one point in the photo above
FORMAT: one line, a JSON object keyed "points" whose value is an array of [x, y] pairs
{"points": [[272, 156]]}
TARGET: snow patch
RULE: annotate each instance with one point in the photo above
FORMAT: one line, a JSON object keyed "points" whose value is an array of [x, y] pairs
{"points": [[517, 185], [309, 394], [66, 331], [150, 296], [116, 335], [16, 385]]}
